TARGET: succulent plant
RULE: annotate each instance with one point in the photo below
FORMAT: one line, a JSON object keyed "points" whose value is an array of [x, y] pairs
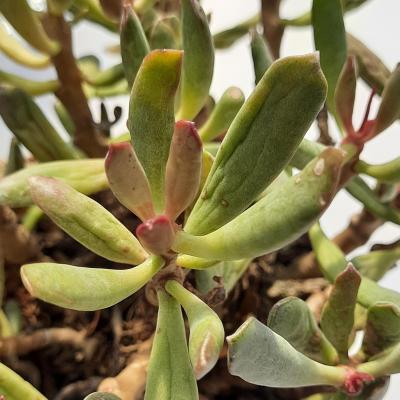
{"points": [[205, 204]]}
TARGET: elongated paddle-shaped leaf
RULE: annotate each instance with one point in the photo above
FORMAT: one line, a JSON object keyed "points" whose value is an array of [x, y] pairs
{"points": [[275, 220], [151, 116], [332, 262], [134, 45], [183, 170], [260, 53], [28, 123], [330, 40], [198, 62], [86, 289], [86, 221], [223, 114], [206, 329], [375, 264], [170, 375], [260, 141], [86, 176], [383, 328], [260, 356], [388, 172], [292, 319], [337, 318], [128, 181], [13, 48], [28, 25], [14, 387]]}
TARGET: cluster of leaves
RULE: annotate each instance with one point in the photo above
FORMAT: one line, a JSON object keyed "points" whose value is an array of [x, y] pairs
{"points": [[206, 205]]}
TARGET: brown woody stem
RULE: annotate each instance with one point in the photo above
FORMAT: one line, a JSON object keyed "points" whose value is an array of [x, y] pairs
{"points": [[71, 92], [273, 29]]}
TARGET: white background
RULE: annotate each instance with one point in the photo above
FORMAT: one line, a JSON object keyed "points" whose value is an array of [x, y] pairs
{"points": [[376, 23]]}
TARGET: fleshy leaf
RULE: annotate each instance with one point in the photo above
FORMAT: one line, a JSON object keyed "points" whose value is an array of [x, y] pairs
{"points": [[332, 262], [156, 234], [330, 40], [388, 172], [337, 318], [262, 357], [359, 189], [206, 329], [14, 387], [229, 271], [276, 219], [389, 109], [371, 68], [383, 364], [13, 48], [30, 126], [15, 160], [170, 375], [134, 45], [86, 289], [223, 114], [86, 221], [291, 319], [198, 62], [128, 181], [260, 141], [183, 170], [261, 55], [27, 23], [383, 328], [345, 93], [86, 176], [151, 116], [375, 264]]}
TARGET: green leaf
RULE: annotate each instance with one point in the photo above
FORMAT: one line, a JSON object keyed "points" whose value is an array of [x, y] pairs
{"points": [[27, 23], [291, 319], [170, 375], [383, 364], [228, 37], [30, 126], [260, 141], [86, 176], [337, 318], [345, 93], [107, 76], [261, 55], [15, 160], [330, 40], [388, 172], [223, 114], [165, 33], [128, 181], [190, 262], [383, 328], [389, 109], [198, 62], [359, 189], [375, 264], [262, 357], [275, 220], [13, 387], [14, 49], [371, 68], [134, 45], [86, 289], [229, 271], [332, 262], [183, 170], [206, 330], [151, 115], [86, 221]]}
